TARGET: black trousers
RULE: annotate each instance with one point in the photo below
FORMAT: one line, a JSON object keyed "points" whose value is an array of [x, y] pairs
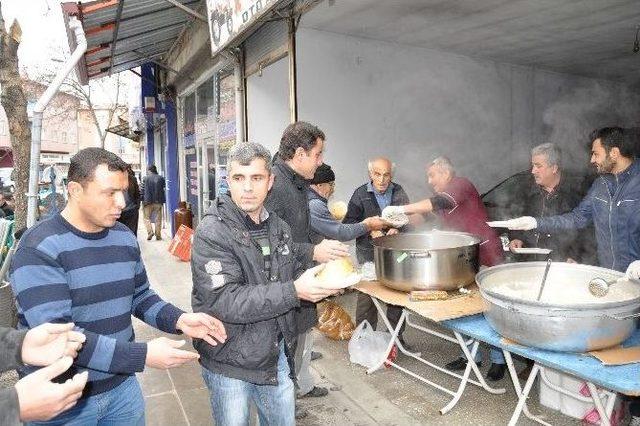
{"points": [[366, 310]]}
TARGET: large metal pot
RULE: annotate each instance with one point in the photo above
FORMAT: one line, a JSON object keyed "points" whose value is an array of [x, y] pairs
{"points": [[567, 318], [435, 260]]}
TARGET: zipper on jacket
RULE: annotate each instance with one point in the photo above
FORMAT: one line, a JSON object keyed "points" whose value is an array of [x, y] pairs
{"points": [[613, 254]]}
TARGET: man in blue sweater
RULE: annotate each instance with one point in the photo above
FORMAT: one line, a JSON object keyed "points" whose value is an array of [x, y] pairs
{"points": [[323, 224], [82, 266]]}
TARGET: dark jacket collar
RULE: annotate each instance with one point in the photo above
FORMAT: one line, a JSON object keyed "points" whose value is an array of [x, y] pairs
{"points": [[290, 174]]}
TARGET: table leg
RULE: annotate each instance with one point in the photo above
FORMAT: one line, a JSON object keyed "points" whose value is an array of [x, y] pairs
{"points": [[471, 364], [394, 333], [522, 394]]}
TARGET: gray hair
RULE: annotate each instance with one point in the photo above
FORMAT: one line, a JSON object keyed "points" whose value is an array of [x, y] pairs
{"points": [[444, 163], [373, 160], [245, 152], [550, 151]]}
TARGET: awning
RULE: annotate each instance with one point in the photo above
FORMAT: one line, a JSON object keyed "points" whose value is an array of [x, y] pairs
{"points": [[125, 131], [123, 34]]}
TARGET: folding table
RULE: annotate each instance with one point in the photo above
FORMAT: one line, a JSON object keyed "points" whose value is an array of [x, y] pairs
{"points": [[623, 379]]}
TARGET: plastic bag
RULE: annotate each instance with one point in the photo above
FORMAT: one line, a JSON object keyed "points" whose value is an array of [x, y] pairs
{"points": [[367, 346], [335, 322]]}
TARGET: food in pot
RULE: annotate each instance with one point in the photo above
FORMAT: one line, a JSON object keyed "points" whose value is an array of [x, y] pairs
{"points": [[563, 293]]}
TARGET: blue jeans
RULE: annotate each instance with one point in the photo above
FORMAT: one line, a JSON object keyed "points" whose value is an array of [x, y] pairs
{"points": [[230, 398], [121, 406]]}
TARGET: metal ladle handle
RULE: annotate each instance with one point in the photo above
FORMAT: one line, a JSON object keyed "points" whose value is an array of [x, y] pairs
{"points": [[544, 278]]}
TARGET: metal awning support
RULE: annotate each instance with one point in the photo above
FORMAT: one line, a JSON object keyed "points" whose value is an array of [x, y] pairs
{"points": [[38, 111], [114, 39], [188, 10]]}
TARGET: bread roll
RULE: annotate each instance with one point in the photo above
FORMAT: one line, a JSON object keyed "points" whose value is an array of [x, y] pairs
{"points": [[336, 271], [338, 210]]}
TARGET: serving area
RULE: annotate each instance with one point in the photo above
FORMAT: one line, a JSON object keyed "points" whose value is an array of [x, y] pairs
{"points": [[543, 311]]}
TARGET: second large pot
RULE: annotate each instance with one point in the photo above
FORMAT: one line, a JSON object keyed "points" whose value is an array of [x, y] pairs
{"points": [[567, 318], [435, 260]]}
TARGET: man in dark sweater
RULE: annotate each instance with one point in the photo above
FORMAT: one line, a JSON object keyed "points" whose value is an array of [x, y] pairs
{"points": [[367, 201], [83, 266], [36, 397], [298, 157], [247, 270], [153, 200]]}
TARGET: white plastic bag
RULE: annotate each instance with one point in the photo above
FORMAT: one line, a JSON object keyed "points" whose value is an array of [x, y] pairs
{"points": [[367, 346]]}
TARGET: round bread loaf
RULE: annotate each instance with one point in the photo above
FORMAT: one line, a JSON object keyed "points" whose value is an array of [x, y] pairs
{"points": [[336, 271]]}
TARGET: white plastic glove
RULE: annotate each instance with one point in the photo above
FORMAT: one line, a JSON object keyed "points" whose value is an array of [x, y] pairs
{"points": [[395, 216], [524, 223], [633, 270]]}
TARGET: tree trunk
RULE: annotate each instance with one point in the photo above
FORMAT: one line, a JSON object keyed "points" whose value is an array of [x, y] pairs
{"points": [[14, 102]]}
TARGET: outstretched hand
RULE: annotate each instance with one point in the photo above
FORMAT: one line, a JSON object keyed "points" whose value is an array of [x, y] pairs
{"points": [[199, 325]]}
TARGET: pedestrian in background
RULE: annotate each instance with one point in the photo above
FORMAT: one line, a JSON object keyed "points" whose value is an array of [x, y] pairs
{"points": [[154, 198], [131, 211]]}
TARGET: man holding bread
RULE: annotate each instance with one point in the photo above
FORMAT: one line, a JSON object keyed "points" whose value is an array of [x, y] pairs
{"points": [[249, 271]]}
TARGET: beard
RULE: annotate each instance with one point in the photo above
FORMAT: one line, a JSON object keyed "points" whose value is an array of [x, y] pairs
{"points": [[606, 166]]}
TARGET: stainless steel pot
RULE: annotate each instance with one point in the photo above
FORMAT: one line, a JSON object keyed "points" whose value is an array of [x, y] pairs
{"points": [[435, 260], [568, 318]]}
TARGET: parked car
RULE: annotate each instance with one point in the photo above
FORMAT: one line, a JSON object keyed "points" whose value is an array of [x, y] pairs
{"points": [[6, 182]]}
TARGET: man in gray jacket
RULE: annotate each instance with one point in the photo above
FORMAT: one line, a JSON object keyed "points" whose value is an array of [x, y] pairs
{"points": [[249, 272], [323, 224], [35, 397]]}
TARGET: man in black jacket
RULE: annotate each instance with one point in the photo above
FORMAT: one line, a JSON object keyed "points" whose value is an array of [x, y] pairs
{"points": [[298, 157], [369, 200], [153, 201], [553, 192], [249, 271]]}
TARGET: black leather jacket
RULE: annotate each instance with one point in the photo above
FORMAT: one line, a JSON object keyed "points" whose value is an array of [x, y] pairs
{"points": [[230, 283]]}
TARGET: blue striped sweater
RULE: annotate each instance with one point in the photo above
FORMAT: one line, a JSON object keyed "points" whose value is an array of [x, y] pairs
{"points": [[96, 280]]}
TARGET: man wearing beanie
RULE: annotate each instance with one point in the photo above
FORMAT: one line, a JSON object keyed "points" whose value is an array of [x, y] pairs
{"points": [[323, 224]]}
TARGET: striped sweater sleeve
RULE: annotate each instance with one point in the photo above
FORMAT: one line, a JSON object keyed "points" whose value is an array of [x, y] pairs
{"points": [[41, 288], [149, 307]]}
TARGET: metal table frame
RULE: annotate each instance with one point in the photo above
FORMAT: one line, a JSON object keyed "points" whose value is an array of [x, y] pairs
{"points": [[457, 339], [604, 409]]}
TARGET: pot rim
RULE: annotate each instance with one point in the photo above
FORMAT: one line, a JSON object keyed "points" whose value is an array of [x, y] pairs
{"points": [[556, 306], [379, 242]]}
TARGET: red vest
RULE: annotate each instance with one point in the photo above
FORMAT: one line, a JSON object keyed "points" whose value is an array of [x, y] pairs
{"points": [[469, 215]]}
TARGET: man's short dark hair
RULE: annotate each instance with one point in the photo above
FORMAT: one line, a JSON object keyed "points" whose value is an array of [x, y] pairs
{"points": [[153, 169], [299, 134], [83, 165], [613, 137]]}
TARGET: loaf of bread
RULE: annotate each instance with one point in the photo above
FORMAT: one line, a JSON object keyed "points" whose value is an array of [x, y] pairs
{"points": [[336, 271], [420, 295], [338, 210]]}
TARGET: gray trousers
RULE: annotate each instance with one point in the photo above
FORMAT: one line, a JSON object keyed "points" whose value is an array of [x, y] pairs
{"points": [[303, 363]]}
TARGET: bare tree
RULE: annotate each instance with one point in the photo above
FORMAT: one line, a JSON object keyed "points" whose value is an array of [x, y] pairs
{"points": [[84, 92], [14, 102]]}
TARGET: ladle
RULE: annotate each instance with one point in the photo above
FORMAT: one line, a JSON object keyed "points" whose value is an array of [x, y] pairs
{"points": [[544, 278]]}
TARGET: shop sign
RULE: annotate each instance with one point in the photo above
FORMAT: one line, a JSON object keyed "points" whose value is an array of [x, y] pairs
{"points": [[228, 18]]}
